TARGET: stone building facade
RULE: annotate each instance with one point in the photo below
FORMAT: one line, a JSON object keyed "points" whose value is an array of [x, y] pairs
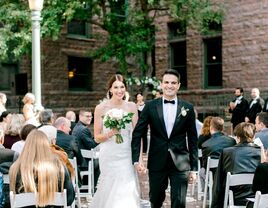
{"points": [[212, 65]]}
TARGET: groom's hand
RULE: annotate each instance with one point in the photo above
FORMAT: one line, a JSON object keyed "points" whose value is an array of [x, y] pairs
{"points": [[192, 177], [140, 168]]}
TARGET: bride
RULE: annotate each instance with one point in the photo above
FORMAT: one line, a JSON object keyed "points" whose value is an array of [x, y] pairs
{"points": [[117, 185]]}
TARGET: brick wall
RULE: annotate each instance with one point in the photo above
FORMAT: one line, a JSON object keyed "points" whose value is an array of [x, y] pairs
{"points": [[245, 55]]}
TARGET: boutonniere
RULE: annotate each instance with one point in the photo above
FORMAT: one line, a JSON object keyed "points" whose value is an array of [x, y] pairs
{"points": [[183, 111]]}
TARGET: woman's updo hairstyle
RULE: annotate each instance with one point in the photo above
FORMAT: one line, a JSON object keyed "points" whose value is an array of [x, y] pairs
{"points": [[115, 77]]}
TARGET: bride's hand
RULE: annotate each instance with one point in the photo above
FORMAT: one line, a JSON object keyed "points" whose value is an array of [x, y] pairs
{"points": [[140, 168]]}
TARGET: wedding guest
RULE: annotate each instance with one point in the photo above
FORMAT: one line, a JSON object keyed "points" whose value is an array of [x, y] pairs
{"points": [[205, 132], [18, 146], [255, 106], [158, 94], [4, 120], [265, 106], [34, 166], [70, 115], [14, 127], [46, 119], [3, 100], [238, 107], [241, 158], [82, 132], [140, 105], [262, 128], [28, 109], [66, 141], [217, 142], [7, 157]]}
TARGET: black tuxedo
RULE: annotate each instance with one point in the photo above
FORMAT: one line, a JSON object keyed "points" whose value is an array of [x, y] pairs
{"points": [[255, 106], [175, 155], [239, 112], [265, 106]]}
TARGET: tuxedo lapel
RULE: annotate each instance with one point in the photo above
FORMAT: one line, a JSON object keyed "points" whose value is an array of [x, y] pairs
{"points": [[178, 115], [161, 114]]}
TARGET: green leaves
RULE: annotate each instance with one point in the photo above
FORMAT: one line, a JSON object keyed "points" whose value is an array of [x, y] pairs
{"points": [[130, 25]]}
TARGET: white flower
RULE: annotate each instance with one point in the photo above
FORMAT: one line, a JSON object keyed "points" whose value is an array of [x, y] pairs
{"points": [[183, 111], [115, 113]]}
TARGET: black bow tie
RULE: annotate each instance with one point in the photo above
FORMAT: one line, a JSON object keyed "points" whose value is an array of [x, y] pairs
{"points": [[169, 101]]}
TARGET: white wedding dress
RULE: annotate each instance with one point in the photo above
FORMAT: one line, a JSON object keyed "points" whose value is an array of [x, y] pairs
{"points": [[117, 186]]}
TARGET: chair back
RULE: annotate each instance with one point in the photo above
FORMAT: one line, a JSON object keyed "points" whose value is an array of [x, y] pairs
{"points": [[211, 163], [91, 155], [75, 182], [30, 199], [261, 200], [235, 180]]}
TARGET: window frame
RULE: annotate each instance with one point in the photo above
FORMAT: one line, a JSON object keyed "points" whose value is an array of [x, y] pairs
{"points": [[206, 64]]}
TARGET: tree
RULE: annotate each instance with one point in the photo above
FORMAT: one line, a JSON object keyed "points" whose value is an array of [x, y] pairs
{"points": [[129, 25]]}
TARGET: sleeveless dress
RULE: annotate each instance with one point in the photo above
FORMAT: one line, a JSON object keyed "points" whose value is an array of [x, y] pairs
{"points": [[117, 186]]}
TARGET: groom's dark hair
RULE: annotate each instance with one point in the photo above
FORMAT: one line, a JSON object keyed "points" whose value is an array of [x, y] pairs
{"points": [[173, 72]]}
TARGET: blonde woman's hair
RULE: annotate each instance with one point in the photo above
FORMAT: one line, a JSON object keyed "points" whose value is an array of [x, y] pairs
{"points": [[28, 97], [15, 124], [40, 170]]}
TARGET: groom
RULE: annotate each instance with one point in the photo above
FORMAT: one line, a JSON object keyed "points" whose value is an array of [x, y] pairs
{"points": [[173, 145]]}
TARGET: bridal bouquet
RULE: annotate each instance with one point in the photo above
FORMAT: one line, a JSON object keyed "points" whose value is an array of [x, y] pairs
{"points": [[117, 119]]}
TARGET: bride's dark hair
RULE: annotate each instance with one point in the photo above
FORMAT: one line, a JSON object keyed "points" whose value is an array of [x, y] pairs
{"points": [[115, 77]]}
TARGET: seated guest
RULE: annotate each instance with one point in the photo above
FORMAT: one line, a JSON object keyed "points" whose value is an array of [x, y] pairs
{"points": [[12, 133], [18, 146], [205, 132], [66, 141], [260, 180], [218, 141], [35, 165], [4, 120], [241, 158], [7, 157], [51, 134], [262, 128], [70, 115], [82, 132]]}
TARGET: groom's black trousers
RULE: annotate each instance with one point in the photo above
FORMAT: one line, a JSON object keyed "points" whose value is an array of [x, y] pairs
{"points": [[158, 182]]}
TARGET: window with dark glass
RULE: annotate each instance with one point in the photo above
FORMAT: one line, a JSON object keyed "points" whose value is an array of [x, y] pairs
{"points": [[80, 73], [213, 62], [118, 9], [79, 28], [7, 71], [178, 60], [176, 29]]}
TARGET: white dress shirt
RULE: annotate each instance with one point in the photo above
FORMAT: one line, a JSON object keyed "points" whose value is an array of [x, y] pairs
{"points": [[170, 112]]}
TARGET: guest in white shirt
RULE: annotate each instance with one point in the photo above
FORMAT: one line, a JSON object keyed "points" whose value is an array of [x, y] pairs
{"points": [[18, 146]]}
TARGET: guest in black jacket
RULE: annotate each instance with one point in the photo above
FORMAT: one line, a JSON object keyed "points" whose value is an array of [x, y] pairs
{"points": [[241, 158], [218, 141], [82, 132], [238, 107], [255, 106], [66, 141]]}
